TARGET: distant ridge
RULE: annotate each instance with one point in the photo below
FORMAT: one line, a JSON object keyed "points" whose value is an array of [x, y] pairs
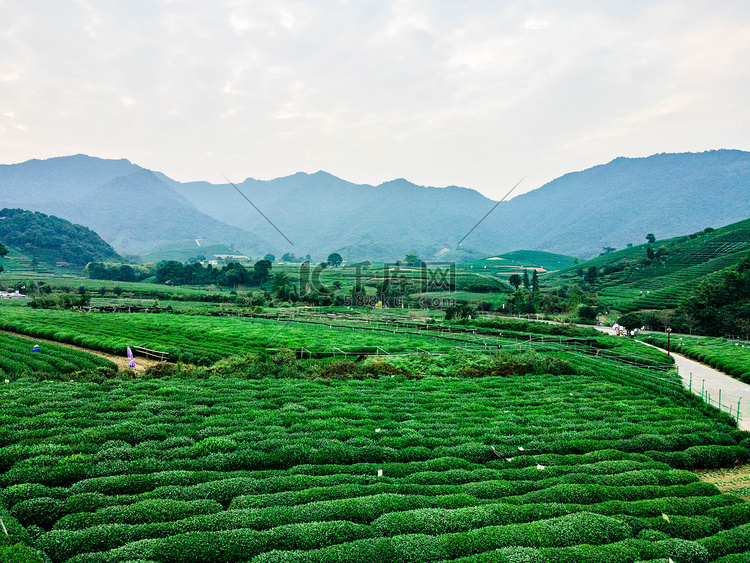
{"points": [[578, 214]]}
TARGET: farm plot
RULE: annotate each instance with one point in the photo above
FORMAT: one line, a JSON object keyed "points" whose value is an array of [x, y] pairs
{"points": [[17, 359], [204, 340], [196, 339], [583, 467]]}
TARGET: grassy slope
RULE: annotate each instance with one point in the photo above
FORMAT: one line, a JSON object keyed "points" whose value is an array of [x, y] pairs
{"points": [[637, 286]]}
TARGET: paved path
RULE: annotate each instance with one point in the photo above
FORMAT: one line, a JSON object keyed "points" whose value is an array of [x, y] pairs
{"points": [[711, 381]]}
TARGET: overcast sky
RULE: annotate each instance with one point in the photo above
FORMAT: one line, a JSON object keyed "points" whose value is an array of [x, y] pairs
{"points": [[472, 93]]}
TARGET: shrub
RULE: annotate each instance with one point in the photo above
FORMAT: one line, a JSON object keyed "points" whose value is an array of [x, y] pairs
{"points": [[727, 542], [733, 515], [20, 553], [42, 511]]}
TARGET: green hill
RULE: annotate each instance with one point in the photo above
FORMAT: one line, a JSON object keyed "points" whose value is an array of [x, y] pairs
{"points": [[628, 280], [36, 239]]}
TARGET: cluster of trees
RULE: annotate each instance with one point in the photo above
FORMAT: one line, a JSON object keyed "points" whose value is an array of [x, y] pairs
{"points": [[34, 232], [719, 305], [233, 274], [119, 272], [529, 299]]}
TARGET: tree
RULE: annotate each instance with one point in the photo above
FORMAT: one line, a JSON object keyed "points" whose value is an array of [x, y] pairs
{"points": [[411, 258], [3, 250], [743, 325], [689, 321], [591, 275], [665, 318], [261, 271], [515, 281], [526, 281], [631, 321], [335, 259], [587, 312], [280, 282], [270, 258], [607, 250], [650, 253], [651, 238], [534, 282]]}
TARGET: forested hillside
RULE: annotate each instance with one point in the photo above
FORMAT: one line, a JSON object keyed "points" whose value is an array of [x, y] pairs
{"points": [[52, 239]]}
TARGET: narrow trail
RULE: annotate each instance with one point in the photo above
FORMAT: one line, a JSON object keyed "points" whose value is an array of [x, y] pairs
{"points": [[121, 361], [702, 378]]}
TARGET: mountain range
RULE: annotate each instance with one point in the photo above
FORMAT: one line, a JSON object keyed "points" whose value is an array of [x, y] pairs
{"points": [[137, 210]]}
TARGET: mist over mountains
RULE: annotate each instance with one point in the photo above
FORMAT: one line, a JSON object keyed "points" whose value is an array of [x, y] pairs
{"points": [[136, 210]]}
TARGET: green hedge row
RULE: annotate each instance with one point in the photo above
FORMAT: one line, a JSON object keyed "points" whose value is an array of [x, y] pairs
{"points": [[392, 515], [736, 540], [640, 515], [143, 512], [47, 470], [733, 515], [233, 545], [627, 551], [589, 494], [581, 528], [66, 542], [17, 534]]}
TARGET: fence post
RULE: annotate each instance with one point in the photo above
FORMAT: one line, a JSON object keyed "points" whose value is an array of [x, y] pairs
{"points": [[719, 399], [703, 390], [690, 386], [738, 410]]}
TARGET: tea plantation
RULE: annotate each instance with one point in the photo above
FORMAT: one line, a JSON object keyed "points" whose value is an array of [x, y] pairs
{"points": [[591, 466], [54, 361]]}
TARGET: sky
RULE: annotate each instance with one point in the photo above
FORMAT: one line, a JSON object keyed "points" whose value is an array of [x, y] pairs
{"points": [[473, 93]]}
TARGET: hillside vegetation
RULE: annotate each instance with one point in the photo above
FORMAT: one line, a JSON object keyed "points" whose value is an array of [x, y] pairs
{"points": [[51, 239], [694, 275]]}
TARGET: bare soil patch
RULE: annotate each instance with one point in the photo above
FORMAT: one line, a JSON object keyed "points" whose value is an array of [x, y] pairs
{"points": [[734, 480]]}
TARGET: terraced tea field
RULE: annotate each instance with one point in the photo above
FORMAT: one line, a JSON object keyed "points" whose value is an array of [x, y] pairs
{"points": [[591, 466], [18, 360], [203, 340]]}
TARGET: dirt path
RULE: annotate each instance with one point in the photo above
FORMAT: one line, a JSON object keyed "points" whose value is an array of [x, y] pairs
{"points": [[702, 378], [121, 361]]}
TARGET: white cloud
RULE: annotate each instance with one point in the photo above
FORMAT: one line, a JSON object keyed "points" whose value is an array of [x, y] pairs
{"points": [[535, 24]]}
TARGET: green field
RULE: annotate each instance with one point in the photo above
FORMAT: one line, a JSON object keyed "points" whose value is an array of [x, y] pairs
{"points": [[590, 467], [17, 360], [346, 434], [203, 340]]}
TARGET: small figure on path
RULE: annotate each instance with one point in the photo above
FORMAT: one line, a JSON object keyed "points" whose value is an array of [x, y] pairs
{"points": [[131, 363], [36, 348]]}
